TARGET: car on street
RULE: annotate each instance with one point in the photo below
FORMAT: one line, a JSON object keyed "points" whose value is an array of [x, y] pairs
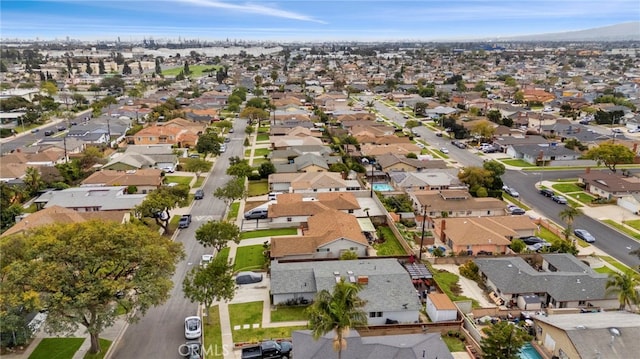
{"points": [[559, 199], [634, 130], [223, 148], [61, 128], [185, 221], [510, 191], [439, 134], [231, 130], [35, 130], [49, 132], [459, 144], [444, 150], [206, 259], [199, 194], [584, 235], [191, 350], [547, 192], [227, 140], [192, 327]]}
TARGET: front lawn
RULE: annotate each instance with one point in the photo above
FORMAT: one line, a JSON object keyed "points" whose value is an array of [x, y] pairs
{"points": [[262, 137], [57, 348], [249, 258], [582, 197], [269, 233], [186, 180], [566, 187], [619, 266], [245, 313], [390, 246], [259, 334], [634, 223], [223, 255], [104, 347], [233, 211], [199, 182], [261, 152], [517, 163], [288, 313], [213, 334], [257, 161], [258, 188]]}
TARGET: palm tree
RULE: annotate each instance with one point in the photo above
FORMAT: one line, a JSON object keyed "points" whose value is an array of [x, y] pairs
{"points": [[338, 311], [568, 215], [625, 285], [32, 180]]}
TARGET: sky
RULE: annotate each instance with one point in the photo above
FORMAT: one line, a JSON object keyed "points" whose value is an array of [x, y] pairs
{"points": [[305, 20]]}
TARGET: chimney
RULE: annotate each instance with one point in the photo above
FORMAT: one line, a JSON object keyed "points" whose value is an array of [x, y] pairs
{"points": [[443, 226], [587, 170]]}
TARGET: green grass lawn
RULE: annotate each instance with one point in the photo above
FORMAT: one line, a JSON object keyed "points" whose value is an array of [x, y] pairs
{"points": [[213, 334], [628, 231], [566, 187], [269, 233], [247, 153], [199, 182], [256, 335], [582, 197], [261, 152], [245, 313], [257, 161], [173, 223], [621, 267], [634, 223], [223, 255], [264, 129], [57, 348], [186, 180], [454, 344], [196, 70], [249, 258], [258, 188], [104, 346], [285, 314], [604, 270], [390, 246], [233, 211], [262, 137], [448, 282], [516, 162], [515, 201]]}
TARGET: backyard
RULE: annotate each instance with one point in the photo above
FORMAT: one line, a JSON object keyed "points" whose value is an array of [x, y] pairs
{"points": [[390, 246]]}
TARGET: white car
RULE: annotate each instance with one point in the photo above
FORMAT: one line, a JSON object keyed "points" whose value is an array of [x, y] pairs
{"points": [[444, 150], [634, 130], [192, 327], [206, 259]]}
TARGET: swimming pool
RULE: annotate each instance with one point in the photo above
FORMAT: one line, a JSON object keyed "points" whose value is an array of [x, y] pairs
{"points": [[382, 187], [529, 352]]}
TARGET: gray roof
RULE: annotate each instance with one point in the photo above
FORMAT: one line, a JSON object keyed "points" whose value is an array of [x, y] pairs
{"points": [[591, 333], [103, 198], [512, 275], [431, 178], [534, 150], [389, 286], [407, 346]]}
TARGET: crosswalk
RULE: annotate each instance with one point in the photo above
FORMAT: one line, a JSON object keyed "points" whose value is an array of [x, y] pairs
{"points": [[205, 218]]}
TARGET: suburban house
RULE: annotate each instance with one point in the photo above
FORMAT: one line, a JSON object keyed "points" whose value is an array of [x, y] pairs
{"points": [[57, 214], [392, 162], [172, 133], [611, 335], [91, 199], [144, 180], [440, 308], [283, 142], [405, 346], [455, 203], [609, 185], [561, 281], [431, 180], [311, 182], [473, 235], [402, 149], [308, 162], [329, 234], [542, 154], [387, 291], [143, 156], [291, 209]]}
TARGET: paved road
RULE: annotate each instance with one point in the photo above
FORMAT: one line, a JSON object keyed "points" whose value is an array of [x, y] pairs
{"points": [[160, 332]]}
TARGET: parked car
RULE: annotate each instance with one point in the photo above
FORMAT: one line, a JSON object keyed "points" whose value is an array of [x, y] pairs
{"points": [[459, 144], [199, 194], [584, 235], [248, 277], [206, 259], [518, 211], [439, 134], [35, 130], [559, 199], [168, 169], [634, 130], [223, 148], [185, 221], [256, 213], [49, 132], [231, 130], [192, 327], [510, 191], [191, 350], [61, 128], [535, 240], [227, 140], [444, 150], [547, 192], [268, 349], [194, 155]]}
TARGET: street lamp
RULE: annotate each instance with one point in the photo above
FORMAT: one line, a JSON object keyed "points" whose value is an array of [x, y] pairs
{"points": [[424, 219]]}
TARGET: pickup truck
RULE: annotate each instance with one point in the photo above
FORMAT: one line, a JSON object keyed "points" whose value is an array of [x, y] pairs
{"points": [[185, 221], [268, 349]]}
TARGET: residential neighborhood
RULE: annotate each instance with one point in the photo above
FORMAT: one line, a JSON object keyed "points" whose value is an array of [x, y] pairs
{"points": [[442, 189]]}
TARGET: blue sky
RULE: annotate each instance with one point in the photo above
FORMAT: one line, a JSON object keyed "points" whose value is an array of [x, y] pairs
{"points": [[305, 20]]}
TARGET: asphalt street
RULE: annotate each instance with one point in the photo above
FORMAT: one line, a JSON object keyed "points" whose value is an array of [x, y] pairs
{"points": [[160, 332]]}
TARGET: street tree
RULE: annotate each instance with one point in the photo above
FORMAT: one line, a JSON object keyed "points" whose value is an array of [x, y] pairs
{"points": [[254, 113], [625, 286], [217, 234], [497, 169], [196, 165], [241, 169], [568, 215], [610, 155], [476, 178], [49, 88], [483, 129], [503, 340], [159, 203], [83, 273], [209, 283], [337, 312], [209, 142], [231, 191]]}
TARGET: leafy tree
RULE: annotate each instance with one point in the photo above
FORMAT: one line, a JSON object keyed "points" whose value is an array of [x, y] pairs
{"points": [[186, 70], [114, 82], [89, 70], [253, 113], [10, 207], [625, 285], [217, 234], [209, 142], [339, 167], [49, 88], [348, 255], [196, 165], [503, 340], [611, 154], [338, 312], [158, 68], [470, 270], [412, 124], [517, 245], [241, 169], [231, 191], [484, 129], [411, 155], [101, 69], [119, 59], [266, 168], [518, 97], [497, 169], [476, 177], [32, 180], [77, 270], [209, 283], [126, 70], [401, 203], [494, 116], [158, 204]]}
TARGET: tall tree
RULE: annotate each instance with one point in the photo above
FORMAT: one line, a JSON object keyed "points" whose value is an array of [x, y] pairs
{"points": [[218, 234], [240, 169], [196, 165], [231, 191], [159, 203], [503, 340], [88, 70], [126, 70], [338, 312], [568, 215], [101, 69], [611, 154], [32, 180], [186, 70], [209, 142], [83, 273], [210, 283], [625, 285], [158, 68], [49, 88]]}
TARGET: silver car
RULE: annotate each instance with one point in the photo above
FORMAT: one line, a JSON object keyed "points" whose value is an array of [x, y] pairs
{"points": [[584, 235]]}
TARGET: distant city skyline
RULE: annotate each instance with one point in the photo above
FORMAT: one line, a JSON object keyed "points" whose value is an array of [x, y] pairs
{"points": [[300, 20]]}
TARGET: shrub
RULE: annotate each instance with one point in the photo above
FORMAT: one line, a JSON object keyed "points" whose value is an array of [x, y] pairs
{"points": [[470, 270]]}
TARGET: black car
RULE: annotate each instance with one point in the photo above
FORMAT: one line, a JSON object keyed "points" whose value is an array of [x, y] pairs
{"points": [[547, 192], [49, 132], [199, 194], [533, 240], [61, 128]]}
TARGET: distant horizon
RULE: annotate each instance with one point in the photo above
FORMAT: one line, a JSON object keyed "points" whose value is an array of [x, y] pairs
{"points": [[305, 21]]}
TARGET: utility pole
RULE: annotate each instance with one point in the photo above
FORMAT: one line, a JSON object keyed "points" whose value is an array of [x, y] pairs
{"points": [[64, 141], [371, 180], [424, 219]]}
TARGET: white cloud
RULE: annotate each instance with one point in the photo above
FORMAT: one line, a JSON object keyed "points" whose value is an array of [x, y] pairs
{"points": [[253, 9]]}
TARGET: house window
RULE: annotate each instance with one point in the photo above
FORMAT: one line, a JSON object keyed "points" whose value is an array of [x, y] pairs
{"points": [[350, 211], [488, 213], [375, 314], [582, 302], [288, 219], [322, 249], [151, 138], [139, 138], [315, 190]]}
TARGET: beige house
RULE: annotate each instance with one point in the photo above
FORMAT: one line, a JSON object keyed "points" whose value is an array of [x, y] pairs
{"points": [[310, 182], [456, 203], [144, 180], [292, 210]]}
